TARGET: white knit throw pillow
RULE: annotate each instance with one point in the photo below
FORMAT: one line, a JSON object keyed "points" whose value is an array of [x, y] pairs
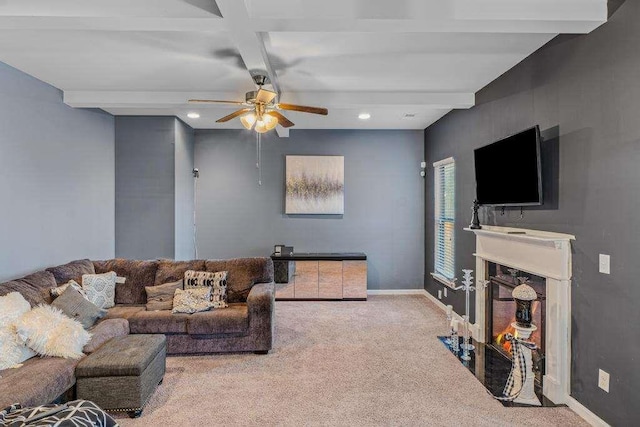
{"points": [[13, 351], [100, 289], [47, 331]]}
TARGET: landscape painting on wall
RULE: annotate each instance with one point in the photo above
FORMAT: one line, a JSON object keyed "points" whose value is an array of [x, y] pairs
{"points": [[315, 185]]}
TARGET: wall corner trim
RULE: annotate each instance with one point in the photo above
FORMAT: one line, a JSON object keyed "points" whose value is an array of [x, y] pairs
{"points": [[585, 413]]}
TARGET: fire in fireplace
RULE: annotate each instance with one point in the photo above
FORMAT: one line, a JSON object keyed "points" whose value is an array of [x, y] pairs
{"points": [[501, 308]]}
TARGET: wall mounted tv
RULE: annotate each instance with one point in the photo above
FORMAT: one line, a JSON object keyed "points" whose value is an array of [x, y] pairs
{"points": [[508, 171]]}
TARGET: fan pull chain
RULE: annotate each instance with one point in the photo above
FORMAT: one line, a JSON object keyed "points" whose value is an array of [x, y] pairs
{"points": [[259, 156]]}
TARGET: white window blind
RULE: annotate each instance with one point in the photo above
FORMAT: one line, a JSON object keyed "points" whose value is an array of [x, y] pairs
{"points": [[445, 187]]}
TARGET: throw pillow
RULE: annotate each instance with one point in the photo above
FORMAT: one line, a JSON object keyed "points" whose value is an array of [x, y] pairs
{"points": [[161, 297], [12, 306], [76, 306], [48, 332], [13, 351], [100, 288], [192, 300], [216, 281], [56, 292]]}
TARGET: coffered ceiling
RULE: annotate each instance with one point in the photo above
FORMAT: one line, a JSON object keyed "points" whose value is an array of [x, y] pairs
{"points": [[390, 58]]}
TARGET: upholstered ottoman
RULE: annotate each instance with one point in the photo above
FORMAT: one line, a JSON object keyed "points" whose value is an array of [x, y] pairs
{"points": [[122, 375]]}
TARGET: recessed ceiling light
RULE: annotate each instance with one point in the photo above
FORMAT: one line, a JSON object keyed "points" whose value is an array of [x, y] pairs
{"points": [[409, 116], [193, 115], [364, 116]]}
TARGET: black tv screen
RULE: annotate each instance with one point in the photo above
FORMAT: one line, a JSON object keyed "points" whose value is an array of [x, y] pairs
{"points": [[508, 171]]}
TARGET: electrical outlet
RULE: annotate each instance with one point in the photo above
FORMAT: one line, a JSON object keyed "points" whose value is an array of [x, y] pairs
{"points": [[439, 294], [445, 292], [604, 265], [603, 380]]}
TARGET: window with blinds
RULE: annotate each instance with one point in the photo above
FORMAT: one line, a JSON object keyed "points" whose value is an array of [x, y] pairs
{"points": [[445, 187]]}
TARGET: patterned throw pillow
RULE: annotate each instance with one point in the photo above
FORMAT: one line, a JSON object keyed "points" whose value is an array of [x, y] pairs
{"points": [[192, 300], [78, 307], [217, 282], [56, 292], [49, 332], [100, 288], [161, 297], [78, 413]]}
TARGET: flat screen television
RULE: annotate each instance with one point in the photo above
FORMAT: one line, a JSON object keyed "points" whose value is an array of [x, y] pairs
{"points": [[508, 171]]}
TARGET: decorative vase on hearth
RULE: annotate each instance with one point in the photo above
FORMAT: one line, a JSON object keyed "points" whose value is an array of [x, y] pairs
{"points": [[524, 295]]}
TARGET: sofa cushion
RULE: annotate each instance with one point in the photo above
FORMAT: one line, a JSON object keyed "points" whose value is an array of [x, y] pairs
{"points": [[170, 271], [242, 274], [39, 381], [160, 297], [158, 322], [72, 271], [232, 320], [104, 331], [138, 274], [123, 311], [34, 287]]}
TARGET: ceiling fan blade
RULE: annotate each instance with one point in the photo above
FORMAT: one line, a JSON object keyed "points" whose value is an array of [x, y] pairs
{"points": [[265, 96], [303, 109], [216, 101], [234, 115], [282, 120]]}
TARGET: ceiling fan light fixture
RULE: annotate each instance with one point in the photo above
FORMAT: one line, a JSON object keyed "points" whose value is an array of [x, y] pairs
{"points": [[267, 123], [248, 120], [193, 115]]}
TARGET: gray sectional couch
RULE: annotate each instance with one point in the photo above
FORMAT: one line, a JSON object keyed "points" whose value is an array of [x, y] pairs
{"points": [[247, 325]]}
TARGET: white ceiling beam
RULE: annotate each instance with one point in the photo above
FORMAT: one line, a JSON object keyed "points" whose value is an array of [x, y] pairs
{"points": [[120, 23], [127, 99], [250, 44]]}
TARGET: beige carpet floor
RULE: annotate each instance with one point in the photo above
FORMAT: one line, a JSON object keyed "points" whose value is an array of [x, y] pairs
{"points": [[339, 363]]}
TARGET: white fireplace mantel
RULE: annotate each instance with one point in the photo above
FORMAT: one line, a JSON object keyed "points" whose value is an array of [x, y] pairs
{"points": [[544, 254]]}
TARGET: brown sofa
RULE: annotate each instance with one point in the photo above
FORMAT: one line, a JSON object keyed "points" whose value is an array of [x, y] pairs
{"points": [[247, 325]]}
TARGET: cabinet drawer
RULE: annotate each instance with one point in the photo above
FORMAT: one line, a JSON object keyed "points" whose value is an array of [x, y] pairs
{"points": [[330, 279], [354, 279], [306, 279]]}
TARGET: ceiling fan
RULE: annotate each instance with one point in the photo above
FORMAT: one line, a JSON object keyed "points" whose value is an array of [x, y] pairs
{"points": [[260, 111]]}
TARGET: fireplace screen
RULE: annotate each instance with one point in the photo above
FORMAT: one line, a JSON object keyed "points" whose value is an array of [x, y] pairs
{"points": [[502, 307]]}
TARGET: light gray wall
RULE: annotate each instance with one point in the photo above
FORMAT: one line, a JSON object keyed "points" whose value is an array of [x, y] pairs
{"points": [[145, 183], [584, 91], [384, 199], [56, 178], [184, 152]]}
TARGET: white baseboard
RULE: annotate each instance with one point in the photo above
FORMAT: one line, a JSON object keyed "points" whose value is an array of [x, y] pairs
{"points": [[585, 413], [443, 307], [395, 291]]}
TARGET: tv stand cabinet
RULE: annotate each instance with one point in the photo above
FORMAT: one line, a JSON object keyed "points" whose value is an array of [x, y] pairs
{"points": [[320, 276]]}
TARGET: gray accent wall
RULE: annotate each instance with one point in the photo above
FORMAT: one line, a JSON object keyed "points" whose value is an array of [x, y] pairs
{"points": [[384, 199], [154, 188], [145, 186], [584, 92], [184, 191], [56, 178]]}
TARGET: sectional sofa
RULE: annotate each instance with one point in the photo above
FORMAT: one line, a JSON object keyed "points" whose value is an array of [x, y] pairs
{"points": [[247, 325]]}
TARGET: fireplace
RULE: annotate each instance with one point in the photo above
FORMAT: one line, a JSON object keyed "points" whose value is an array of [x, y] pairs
{"points": [[544, 258], [501, 309]]}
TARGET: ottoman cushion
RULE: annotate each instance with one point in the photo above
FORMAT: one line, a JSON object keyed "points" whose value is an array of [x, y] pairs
{"points": [[122, 356]]}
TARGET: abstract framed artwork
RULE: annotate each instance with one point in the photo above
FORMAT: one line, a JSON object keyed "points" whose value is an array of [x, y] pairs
{"points": [[314, 185]]}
